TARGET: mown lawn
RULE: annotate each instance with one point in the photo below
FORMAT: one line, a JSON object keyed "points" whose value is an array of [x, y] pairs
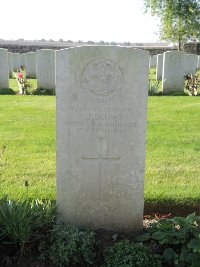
{"points": [[173, 151], [27, 129], [172, 180]]}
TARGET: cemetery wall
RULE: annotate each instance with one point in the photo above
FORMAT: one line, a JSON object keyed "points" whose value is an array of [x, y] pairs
{"points": [[29, 47], [192, 48]]}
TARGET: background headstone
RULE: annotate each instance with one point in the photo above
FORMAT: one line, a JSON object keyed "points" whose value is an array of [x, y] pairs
{"points": [[10, 64], [101, 119], [30, 64], [198, 63], [16, 61], [173, 71], [22, 56], [153, 61], [4, 69], [159, 67], [191, 63], [45, 69]]}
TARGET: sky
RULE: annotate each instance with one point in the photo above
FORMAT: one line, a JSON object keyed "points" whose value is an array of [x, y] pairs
{"points": [[85, 20]]}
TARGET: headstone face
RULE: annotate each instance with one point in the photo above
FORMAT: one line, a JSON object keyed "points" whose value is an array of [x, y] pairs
{"points": [[198, 63], [173, 71], [16, 61], [159, 67], [191, 63], [10, 64], [30, 64], [4, 69], [153, 61], [101, 119], [22, 56], [45, 69]]}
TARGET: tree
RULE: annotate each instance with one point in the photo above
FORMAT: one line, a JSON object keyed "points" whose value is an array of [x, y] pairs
{"points": [[180, 19]]}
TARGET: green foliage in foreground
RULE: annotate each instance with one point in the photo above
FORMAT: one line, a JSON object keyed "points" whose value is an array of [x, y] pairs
{"points": [[68, 246], [128, 254], [179, 239], [167, 242], [26, 221]]}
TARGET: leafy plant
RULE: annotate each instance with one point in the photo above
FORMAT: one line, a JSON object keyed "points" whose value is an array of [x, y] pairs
{"points": [[26, 221], [40, 91], [179, 239], [153, 87], [126, 254], [177, 93], [69, 246]]}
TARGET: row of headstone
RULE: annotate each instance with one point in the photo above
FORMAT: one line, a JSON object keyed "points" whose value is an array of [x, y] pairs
{"points": [[101, 95], [101, 127], [39, 64], [172, 66]]}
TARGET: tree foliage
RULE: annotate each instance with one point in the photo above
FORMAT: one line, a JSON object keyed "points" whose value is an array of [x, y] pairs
{"points": [[180, 19]]}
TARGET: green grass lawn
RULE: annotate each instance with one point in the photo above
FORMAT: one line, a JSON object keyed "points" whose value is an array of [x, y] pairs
{"points": [[172, 152], [172, 179], [27, 126]]}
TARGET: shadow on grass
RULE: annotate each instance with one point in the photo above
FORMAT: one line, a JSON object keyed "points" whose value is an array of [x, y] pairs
{"points": [[176, 208], [7, 91]]}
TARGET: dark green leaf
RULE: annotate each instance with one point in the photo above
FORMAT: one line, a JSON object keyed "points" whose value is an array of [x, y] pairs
{"points": [[194, 244]]}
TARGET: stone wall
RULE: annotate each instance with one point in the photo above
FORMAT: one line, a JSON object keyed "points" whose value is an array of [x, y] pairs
{"points": [[192, 48], [24, 47]]}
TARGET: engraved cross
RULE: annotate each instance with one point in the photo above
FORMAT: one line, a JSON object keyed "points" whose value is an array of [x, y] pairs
{"points": [[101, 157]]}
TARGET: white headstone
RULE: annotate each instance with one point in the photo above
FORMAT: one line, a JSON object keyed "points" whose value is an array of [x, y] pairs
{"points": [[191, 63], [198, 63], [152, 61], [4, 69], [101, 119], [173, 71], [22, 59], [16, 61], [45, 69], [30, 64], [159, 67], [10, 64]]}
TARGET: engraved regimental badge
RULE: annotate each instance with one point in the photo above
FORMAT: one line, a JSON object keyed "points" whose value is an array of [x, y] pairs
{"points": [[102, 79]]}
